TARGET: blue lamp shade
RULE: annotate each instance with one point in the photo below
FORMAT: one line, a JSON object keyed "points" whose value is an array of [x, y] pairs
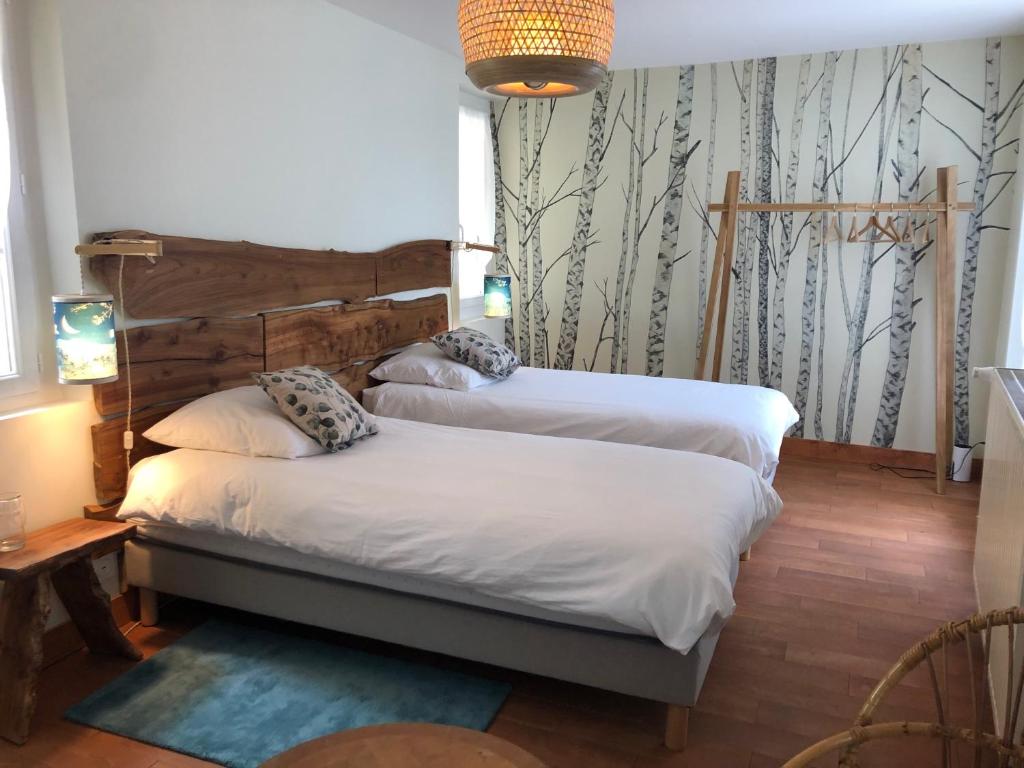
{"points": [[497, 296], [86, 348]]}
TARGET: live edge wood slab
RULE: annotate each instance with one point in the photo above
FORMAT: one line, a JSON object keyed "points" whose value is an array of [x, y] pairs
{"points": [[195, 276], [62, 555]]}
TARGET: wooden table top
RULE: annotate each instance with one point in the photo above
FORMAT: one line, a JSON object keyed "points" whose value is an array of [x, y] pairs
{"points": [[49, 548], [406, 745]]}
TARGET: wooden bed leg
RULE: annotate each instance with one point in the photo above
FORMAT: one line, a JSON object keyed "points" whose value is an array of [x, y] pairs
{"points": [[677, 725], [744, 556], [149, 612]]}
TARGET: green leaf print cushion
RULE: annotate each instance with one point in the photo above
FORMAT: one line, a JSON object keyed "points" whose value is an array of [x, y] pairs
{"points": [[318, 405], [479, 351]]}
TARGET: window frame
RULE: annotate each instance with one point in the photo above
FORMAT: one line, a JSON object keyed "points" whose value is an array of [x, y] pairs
{"points": [[472, 307], [16, 263]]}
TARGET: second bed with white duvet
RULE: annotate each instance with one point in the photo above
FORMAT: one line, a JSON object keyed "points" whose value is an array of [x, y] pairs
{"points": [[734, 421]]}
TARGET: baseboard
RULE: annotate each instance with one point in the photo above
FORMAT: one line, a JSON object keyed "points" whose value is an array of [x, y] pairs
{"points": [[802, 448], [799, 447], [63, 640]]}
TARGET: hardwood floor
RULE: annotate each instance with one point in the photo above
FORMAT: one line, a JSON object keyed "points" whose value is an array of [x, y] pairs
{"points": [[860, 565]]}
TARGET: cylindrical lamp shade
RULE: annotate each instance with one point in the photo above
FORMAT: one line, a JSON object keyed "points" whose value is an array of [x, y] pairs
{"points": [[536, 47], [86, 347], [497, 296]]}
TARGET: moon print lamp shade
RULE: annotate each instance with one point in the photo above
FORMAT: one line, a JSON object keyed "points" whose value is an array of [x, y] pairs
{"points": [[84, 328], [497, 296]]}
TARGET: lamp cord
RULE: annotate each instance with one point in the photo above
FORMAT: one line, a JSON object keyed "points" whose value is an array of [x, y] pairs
{"points": [[127, 364]]}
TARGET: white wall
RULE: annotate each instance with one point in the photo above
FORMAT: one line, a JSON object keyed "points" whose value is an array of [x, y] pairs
{"points": [[45, 455], [278, 121]]}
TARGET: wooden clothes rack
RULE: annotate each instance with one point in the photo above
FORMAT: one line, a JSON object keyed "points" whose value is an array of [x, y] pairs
{"points": [[945, 209]]}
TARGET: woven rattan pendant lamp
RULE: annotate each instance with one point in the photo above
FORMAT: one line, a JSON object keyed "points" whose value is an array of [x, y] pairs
{"points": [[536, 47]]}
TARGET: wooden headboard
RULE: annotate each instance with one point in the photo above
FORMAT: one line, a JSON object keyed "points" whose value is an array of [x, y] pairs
{"points": [[237, 296]]}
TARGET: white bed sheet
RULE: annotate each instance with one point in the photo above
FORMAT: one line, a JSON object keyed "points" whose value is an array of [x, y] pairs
{"points": [[734, 421], [643, 537]]}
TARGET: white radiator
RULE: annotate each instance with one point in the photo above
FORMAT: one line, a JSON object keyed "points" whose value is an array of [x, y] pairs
{"points": [[999, 551]]}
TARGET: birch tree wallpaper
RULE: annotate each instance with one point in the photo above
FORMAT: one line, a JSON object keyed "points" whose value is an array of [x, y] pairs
{"points": [[602, 215]]}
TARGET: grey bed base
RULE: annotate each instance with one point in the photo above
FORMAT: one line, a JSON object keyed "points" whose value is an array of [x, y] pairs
{"points": [[630, 664]]}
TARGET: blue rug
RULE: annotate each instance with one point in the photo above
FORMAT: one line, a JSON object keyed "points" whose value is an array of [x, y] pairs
{"points": [[238, 695]]}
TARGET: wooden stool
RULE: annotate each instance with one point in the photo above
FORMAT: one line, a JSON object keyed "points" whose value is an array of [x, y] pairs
{"points": [[406, 745], [61, 555]]}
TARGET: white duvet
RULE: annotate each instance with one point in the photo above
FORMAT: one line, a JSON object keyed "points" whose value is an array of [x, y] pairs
{"points": [[734, 421], [644, 537]]}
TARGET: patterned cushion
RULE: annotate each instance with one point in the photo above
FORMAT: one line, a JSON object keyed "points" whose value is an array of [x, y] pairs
{"points": [[479, 351], [318, 406]]}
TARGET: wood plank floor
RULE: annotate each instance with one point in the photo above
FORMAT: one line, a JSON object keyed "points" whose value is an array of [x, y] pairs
{"points": [[860, 565]]}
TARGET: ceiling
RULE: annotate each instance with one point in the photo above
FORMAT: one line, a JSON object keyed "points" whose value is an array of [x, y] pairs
{"points": [[655, 33]]}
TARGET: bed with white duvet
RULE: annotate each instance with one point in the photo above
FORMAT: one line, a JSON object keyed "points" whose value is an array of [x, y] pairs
{"points": [[734, 421], [643, 538]]}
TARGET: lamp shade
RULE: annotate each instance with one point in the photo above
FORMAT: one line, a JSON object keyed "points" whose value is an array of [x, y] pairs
{"points": [[497, 296], [83, 325], [536, 47]]}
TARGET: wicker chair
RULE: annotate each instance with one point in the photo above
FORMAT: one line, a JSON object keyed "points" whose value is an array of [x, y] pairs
{"points": [[985, 748]]}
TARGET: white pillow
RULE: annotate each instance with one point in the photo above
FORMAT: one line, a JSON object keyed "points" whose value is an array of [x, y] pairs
{"points": [[426, 364], [241, 420]]}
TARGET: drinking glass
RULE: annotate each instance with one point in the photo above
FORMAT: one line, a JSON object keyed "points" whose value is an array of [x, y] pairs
{"points": [[12, 522]]}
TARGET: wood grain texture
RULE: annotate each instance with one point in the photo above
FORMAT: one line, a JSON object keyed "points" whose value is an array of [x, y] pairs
{"points": [[199, 277], [24, 608], [55, 546], [945, 321], [218, 277], [806, 448], [732, 192], [356, 378], [78, 588], [64, 639], [109, 471], [336, 336], [414, 265], [726, 231], [106, 512], [417, 745], [183, 360], [822, 612], [173, 363]]}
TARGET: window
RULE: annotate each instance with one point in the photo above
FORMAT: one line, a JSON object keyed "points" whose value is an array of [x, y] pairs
{"points": [[8, 356], [476, 204], [18, 320]]}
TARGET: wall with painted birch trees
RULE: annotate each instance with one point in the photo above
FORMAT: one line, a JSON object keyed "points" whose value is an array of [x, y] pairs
{"points": [[602, 214]]}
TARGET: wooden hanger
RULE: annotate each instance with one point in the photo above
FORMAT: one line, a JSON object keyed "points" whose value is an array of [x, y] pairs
{"points": [[886, 234], [908, 233], [854, 234], [890, 229], [832, 232], [922, 235]]}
